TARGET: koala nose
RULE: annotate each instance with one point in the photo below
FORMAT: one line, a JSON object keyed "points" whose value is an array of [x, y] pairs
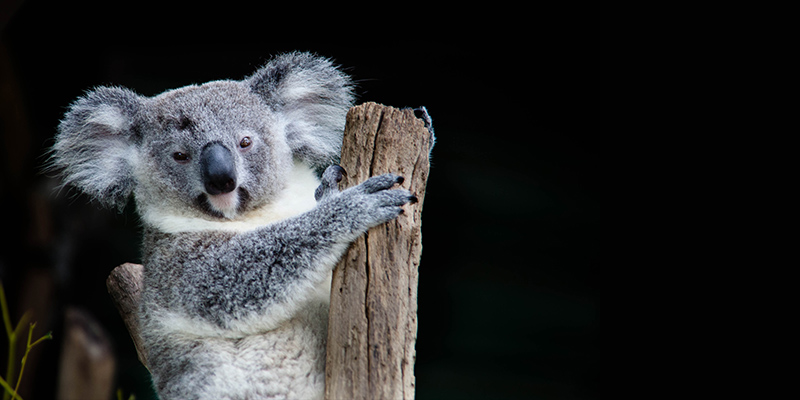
{"points": [[219, 170]]}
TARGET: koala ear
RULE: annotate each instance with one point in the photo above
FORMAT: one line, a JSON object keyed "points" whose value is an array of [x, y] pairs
{"points": [[95, 145], [313, 97]]}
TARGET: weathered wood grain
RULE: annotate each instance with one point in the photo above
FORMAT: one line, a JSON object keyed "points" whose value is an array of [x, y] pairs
{"points": [[372, 327], [124, 284]]}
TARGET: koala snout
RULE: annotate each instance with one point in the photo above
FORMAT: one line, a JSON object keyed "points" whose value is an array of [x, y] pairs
{"points": [[219, 169]]}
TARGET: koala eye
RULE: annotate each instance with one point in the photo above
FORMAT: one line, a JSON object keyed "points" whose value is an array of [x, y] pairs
{"points": [[180, 157], [246, 142]]}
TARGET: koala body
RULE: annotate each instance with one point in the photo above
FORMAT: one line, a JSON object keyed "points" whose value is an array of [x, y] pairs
{"points": [[240, 230]]}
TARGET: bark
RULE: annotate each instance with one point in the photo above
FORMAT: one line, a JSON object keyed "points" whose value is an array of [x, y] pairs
{"points": [[125, 287], [372, 327]]}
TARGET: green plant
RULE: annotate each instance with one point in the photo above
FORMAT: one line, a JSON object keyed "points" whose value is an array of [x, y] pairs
{"points": [[119, 395], [13, 335]]}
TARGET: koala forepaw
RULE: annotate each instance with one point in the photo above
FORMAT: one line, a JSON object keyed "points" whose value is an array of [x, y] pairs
{"points": [[330, 182], [368, 204], [384, 204]]}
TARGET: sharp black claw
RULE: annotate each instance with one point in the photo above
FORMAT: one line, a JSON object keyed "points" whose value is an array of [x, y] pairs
{"points": [[400, 180], [413, 199], [341, 173]]}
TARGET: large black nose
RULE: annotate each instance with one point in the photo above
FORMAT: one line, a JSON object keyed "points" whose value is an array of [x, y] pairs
{"points": [[219, 170]]}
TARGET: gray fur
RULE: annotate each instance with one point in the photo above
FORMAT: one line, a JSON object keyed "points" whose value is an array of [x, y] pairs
{"points": [[231, 307]]}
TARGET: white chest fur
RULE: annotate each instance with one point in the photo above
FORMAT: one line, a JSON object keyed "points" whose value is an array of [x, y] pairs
{"points": [[296, 198]]}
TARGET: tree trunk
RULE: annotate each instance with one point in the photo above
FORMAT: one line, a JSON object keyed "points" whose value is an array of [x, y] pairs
{"points": [[87, 361], [372, 327]]}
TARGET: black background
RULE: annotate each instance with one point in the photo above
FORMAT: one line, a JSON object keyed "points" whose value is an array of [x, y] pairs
{"points": [[508, 290]]}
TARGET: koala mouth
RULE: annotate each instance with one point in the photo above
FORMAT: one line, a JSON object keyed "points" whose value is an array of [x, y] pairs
{"points": [[224, 205]]}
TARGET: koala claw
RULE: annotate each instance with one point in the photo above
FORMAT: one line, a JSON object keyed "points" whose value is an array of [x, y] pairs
{"points": [[330, 179], [337, 172], [382, 182]]}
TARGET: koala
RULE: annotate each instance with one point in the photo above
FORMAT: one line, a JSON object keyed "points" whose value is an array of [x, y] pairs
{"points": [[242, 219]]}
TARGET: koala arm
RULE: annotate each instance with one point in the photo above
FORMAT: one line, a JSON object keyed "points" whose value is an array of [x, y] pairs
{"points": [[241, 283]]}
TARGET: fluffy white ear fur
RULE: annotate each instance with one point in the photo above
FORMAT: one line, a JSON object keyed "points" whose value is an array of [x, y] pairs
{"points": [[109, 116], [313, 97], [296, 198], [94, 148]]}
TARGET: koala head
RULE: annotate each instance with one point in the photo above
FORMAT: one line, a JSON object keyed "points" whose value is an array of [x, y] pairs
{"points": [[216, 150]]}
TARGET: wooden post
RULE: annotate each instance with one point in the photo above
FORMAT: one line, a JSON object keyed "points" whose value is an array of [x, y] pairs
{"points": [[372, 327], [87, 363]]}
